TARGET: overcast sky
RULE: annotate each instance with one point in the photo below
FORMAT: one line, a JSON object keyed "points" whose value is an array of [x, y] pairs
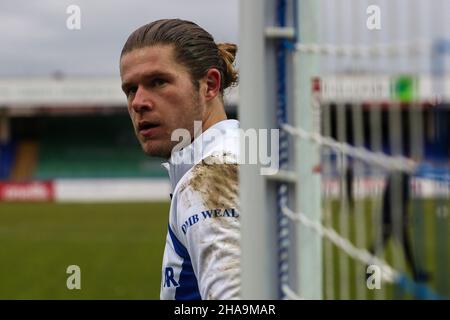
{"points": [[34, 39]]}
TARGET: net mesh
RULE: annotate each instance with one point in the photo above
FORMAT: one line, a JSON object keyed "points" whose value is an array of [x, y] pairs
{"points": [[382, 110]]}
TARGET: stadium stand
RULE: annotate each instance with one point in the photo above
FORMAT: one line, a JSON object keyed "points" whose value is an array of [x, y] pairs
{"points": [[7, 151], [100, 146], [26, 155]]}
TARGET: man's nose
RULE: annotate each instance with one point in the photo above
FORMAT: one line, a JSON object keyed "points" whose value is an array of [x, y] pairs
{"points": [[141, 101]]}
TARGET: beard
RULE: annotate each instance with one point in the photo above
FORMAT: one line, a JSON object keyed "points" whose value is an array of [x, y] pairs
{"points": [[162, 146]]}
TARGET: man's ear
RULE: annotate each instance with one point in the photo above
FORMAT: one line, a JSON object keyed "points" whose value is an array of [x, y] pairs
{"points": [[213, 80]]}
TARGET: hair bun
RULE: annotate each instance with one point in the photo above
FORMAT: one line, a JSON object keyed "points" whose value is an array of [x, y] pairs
{"points": [[228, 53]]}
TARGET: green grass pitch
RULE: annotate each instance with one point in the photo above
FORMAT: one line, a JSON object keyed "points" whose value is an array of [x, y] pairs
{"points": [[118, 247], [430, 239]]}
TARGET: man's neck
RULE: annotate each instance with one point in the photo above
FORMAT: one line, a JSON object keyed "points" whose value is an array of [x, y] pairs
{"points": [[215, 112]]}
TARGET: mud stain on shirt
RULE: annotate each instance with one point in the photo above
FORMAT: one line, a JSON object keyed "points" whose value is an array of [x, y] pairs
{"points": [[217, 182]]}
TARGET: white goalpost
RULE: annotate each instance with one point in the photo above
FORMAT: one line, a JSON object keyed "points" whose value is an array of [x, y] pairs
{"points": [[258, 228], [271, 245]]}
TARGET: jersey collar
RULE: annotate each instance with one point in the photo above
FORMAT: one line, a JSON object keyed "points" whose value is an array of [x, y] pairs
{"points": [[220, 137]]}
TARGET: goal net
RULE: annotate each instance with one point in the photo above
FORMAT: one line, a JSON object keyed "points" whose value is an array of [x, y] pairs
{"points": [[360, 205]]}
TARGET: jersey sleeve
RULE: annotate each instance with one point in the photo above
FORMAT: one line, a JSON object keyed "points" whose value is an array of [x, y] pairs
{"points": [[209, 226]]}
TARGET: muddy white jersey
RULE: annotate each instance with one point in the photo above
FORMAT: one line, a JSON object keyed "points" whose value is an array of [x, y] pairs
{"points": [[202, 253]]}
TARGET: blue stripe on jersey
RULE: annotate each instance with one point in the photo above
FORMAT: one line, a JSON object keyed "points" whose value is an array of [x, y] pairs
{"points": [[188, 289]]}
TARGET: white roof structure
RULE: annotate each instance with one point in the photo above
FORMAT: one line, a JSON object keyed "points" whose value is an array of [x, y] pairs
{"points": [[60, 91]]}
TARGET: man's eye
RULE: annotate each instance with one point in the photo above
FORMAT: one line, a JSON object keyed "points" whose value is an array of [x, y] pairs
{"points": [[130, 91], [158, 82]]}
